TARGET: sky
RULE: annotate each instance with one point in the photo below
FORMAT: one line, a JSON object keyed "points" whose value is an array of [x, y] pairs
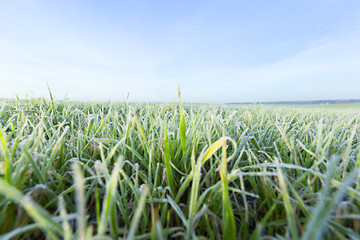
{"points": [[217, 51]]}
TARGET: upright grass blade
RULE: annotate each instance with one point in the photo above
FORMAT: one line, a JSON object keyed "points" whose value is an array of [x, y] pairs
{"points": [[229, 231], [287, 204], [65, 224], [7, 160], [90, 125], [182, 128], [52, 107], [139, 209], [197, 176], [80, 201], [169, 174], [109, 198], [56, 149]]}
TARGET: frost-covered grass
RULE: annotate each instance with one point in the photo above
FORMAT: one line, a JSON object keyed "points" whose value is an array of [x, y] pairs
{"points": [[160, 171]]}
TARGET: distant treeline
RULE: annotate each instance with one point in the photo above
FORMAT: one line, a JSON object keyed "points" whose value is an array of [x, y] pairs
{"points": [[304, 102]]}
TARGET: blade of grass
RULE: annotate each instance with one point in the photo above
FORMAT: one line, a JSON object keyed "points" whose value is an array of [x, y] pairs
{"points": [[80, 201], [7, 160], [169, 175], [229, 230], [287, 204], [136, 218], [40, 216], [324, 208], [109, 198], [182, 128]]}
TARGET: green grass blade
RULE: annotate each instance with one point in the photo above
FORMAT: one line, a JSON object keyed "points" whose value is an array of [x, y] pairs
{"points": [[287, 204], [109, 198], [139, 209], [182, 128], [39, 215], [7, 161], [229, 230], [324, 208], [80, 201], [169, 174]]}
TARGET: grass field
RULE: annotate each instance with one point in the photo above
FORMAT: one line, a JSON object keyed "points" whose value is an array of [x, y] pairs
{"points": [[165, 171], [333, 107]]}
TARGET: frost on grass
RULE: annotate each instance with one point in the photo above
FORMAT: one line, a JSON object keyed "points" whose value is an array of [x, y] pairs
{"points": [[158, 171]]}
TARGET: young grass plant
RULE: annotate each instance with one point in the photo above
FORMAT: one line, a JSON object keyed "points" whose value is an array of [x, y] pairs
{"points": [[73, 170], [40, 216], [229, 230], [109, 198]]}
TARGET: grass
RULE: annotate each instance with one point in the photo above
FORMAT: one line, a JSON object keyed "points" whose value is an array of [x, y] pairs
{"points": [[72, 170]]}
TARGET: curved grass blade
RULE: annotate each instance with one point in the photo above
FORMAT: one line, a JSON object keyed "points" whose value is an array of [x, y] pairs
{"points": [[36, 212]]}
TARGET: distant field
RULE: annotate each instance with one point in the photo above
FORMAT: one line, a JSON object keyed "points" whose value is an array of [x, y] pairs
{"points": [[342, 106], [161, 171]]}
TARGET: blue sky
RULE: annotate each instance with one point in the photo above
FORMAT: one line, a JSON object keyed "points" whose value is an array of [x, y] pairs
{"points": [[218, 51]]}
